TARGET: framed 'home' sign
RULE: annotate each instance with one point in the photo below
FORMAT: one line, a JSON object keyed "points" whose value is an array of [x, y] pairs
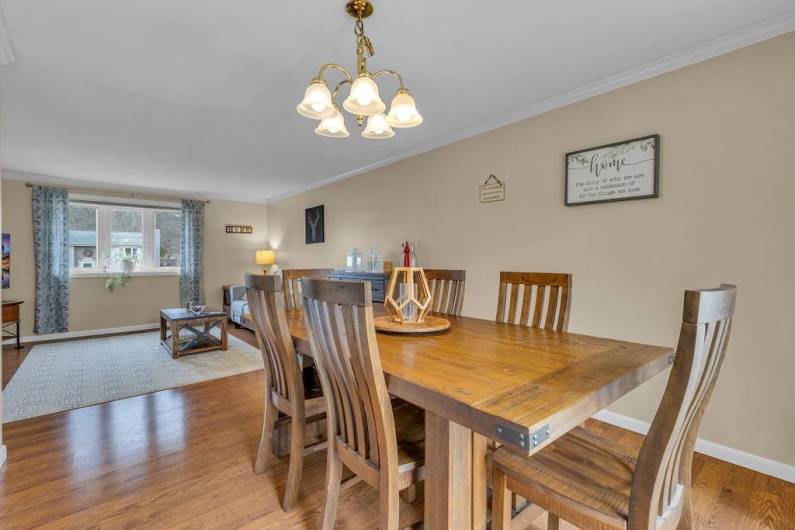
{"points": [[615, 172]]}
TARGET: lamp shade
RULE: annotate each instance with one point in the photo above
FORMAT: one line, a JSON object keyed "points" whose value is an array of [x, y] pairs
{"points": [[403, 111], [265, 257], [317, 102], [333, 127], [363, 99], [377, 128]]}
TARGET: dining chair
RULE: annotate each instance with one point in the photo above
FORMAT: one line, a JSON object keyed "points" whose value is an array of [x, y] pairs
{"points": [[284, 385], [596, 483], [549, 295], [447, 290], [292, 284], [382, 442]]}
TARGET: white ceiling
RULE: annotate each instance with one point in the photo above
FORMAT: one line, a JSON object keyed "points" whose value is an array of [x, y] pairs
{"points": [[198, 96]]}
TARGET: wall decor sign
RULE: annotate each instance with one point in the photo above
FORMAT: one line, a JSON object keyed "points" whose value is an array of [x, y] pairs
{"points": [[6, 261], [615, 172], [492, 190], [315, 229], [239, 229]]}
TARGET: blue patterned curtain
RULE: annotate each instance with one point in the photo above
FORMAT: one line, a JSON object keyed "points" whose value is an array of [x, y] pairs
{"points": [[51, 255], [190, 275]]}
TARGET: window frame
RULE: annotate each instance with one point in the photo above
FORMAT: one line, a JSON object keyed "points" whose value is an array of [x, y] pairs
{"points": [[104, 245]]}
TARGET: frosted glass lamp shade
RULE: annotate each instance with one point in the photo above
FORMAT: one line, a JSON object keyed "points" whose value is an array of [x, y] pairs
{"points": [[265, 257], [403, 111], [363, 99], [377, 128], [333, 127], [317, 102]]}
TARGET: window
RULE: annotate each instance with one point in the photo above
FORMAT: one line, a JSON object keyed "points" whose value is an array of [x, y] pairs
{"points": [[83, 236], [113, 238]]}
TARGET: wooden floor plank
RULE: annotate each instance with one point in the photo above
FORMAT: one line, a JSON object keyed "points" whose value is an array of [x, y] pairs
{"points": [[182, 458]]}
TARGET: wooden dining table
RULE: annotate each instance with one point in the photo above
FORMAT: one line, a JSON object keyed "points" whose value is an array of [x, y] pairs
{"points": [[483, 380]]}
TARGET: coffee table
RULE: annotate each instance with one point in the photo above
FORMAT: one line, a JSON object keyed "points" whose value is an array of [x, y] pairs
{"points": [[198, 326]]}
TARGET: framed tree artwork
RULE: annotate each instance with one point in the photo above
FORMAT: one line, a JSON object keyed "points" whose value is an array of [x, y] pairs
{"points": [[315, 229], [615, 172]]}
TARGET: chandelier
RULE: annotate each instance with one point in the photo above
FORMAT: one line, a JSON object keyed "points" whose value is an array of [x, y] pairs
{"points": [[363, 101]]}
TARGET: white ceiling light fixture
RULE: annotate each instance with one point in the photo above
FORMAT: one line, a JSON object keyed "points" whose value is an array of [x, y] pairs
{"points": [[364, 101]]}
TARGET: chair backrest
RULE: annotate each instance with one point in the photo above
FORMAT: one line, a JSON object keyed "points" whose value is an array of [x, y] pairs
{"points": [[282, 372], [339, 321], [447, 290], [292, 284], [661, 483], [547, 293]]}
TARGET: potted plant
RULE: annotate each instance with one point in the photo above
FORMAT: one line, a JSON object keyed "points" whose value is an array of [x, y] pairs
{"points": [[128, 263]]}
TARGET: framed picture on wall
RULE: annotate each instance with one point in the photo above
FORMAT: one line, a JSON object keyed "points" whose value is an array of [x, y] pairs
{"points": [[315, 229], [620, 171]]}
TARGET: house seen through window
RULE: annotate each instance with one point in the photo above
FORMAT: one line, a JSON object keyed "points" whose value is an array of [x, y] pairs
{"points": [[113, 238]]}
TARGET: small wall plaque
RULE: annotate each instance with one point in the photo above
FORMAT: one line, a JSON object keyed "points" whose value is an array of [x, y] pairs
{"points": [[239, 229], [492, 190]]}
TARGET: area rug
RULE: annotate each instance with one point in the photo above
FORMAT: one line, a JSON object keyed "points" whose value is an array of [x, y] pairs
{"points": [[73, 374]]}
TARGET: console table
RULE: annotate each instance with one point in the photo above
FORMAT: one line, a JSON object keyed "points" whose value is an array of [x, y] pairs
{"points": [[378, 281], [11, 316]]}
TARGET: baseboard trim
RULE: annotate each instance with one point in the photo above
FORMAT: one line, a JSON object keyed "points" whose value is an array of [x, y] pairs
{"points": [[80, 334], [721, 452]]}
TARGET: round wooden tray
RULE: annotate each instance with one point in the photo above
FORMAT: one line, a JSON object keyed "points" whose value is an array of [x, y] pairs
{"points": [[429, 324]]}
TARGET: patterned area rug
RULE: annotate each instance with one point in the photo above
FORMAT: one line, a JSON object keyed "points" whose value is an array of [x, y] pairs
{"points": [[73, 374]]}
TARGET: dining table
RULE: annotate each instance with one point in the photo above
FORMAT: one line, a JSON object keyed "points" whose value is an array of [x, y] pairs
{"points": [[483, 380]]}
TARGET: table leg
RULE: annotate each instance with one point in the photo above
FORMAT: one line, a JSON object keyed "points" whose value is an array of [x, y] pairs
{"points": [[223, 335], [448, 474], [162, 328], [18, 344], [480, 481], [174, 340]]}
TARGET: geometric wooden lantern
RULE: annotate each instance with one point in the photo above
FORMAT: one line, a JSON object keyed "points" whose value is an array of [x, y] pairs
{"points": [[417, 293]]}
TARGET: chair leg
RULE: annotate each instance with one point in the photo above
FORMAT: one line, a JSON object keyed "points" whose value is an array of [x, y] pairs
{"points": [[553, 522], [333, 478], [500, 502], [264, 450], [389, 500], [296, 462]]}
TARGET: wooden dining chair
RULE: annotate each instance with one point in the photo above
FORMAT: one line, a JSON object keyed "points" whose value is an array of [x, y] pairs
{"points": [[292, 284], [382, 442], [447, 290], [548, 294], [284, 385], [595, 483]]}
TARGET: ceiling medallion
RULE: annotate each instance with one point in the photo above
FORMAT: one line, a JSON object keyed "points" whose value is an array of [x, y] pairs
{"points": [[320, 103]]}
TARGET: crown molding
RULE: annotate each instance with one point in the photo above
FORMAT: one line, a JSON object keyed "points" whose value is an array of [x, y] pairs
{"points": [[88, 187], [719, 46], [6, 48]]}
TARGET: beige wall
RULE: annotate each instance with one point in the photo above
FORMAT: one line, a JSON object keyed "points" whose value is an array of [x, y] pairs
{"points": [[725, 214], [227, 258]]}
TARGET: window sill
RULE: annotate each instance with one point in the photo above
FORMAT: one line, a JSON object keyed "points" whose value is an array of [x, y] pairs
{"points": [[133, 274]]}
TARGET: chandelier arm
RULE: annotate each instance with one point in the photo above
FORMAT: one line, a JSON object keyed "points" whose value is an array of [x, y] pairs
{"points": [[333, 66], [397, 75], [337, 88]]}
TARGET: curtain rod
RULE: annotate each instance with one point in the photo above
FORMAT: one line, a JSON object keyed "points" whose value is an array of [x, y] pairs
{"points": [[130, 194]]}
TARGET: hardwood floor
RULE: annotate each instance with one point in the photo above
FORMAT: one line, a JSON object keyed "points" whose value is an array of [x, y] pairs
{"points": [[183, 458]]}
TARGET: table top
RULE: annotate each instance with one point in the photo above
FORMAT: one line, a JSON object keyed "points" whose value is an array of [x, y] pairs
{"points": [[13, 302], [180, 313], [509, 382]]}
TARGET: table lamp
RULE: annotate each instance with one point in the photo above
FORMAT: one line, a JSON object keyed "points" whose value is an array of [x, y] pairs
{"points": [[266, 258]]}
